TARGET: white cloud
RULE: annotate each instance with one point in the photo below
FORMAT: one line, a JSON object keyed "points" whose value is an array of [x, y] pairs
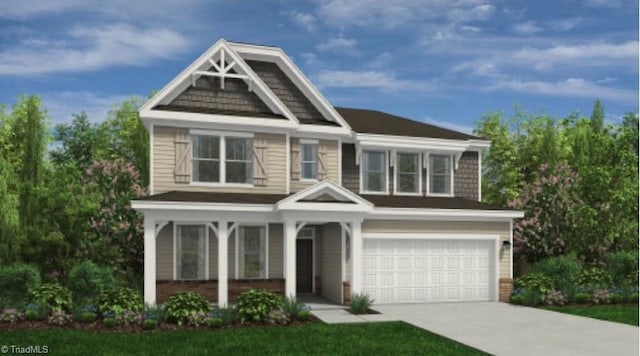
{"points": [[381, 80], [582, 55], [307, 21], [91, 48], [607, 80], [339, 45], [62, 105], [527, 28], [450, 125], [572, 87], [565, 24]]}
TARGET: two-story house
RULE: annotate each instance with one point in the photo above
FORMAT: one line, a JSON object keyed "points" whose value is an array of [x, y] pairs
{"points": [[258, 181]]}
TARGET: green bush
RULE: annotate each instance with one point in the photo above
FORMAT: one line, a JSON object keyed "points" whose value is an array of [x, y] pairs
{"points": [[292, 307], [52, 295], [360, 303], [153, 312], [117, 300], [594, 278], [532, 297], [582, 297], [633, 298], [35, 311], [128, 317], [562, 271], [622, 265], [88, 280], [517, 299], [180, 306], [149, 324], [87, 317], [617, 298], [535, 282], [304, 315], [15, 282], [109, 323], [256, 304], [216, 322], [228, 315]]}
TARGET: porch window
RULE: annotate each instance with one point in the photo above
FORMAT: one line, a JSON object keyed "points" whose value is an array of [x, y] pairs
{"points": [[239, 163], [374, 171], [252, 252], [407, 173], [440, 174], [309, 161], [206, 159], [190, 251]]}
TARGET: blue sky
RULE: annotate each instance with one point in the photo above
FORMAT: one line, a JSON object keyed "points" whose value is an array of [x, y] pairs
{"points": [[441, 61]]}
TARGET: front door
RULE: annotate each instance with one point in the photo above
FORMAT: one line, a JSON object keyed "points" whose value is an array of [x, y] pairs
{"points": [[304, 266]]}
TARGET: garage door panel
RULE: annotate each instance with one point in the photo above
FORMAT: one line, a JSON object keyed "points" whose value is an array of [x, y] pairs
{"points": [[421, 270]]}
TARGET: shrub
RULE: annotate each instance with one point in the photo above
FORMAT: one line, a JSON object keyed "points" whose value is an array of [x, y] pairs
{"points": [[594, 278], [622, 264], [617, 298], [278, 317], [60, 317], [360, 303], [229, 315], [180, 306], [88, 280], [531, 297], [129, 317], [555, 297], [109, 322], [582, 297], [257, 304], [52, 295], [87, 317], [117, 300], [15, 282], [517, 299], [292, 307], [304, 315], [562, 271], [600, 296], [535, 282], [11, 316], [153, 312], [36, 311], [216, 322], [198, 319], [633, 298], [149, 324]]}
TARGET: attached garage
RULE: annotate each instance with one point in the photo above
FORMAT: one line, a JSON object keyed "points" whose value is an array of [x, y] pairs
{"points": [[427, 268]]}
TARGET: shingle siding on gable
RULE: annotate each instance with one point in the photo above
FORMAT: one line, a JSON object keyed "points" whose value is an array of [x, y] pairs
{"points": [[286, 91], [235, 96], [465, 178]]}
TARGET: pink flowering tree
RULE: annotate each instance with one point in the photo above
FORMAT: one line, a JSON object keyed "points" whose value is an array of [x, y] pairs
{"points": [[549, 203], [117, 183]]}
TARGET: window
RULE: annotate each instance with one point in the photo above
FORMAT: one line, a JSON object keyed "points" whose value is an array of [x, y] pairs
{"points": [[239, 152], [206, 159], [407, 173], [309, 161], [252, 252], [222, 159], [191, 247], [374, 171], [440, 174]]}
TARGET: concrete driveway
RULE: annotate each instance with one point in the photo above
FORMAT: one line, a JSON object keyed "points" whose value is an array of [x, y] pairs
{"points": [[504, 329]]}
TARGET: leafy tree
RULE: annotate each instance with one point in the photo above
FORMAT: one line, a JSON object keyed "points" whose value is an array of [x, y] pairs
{"points": [[80, 142], [597, 117]]}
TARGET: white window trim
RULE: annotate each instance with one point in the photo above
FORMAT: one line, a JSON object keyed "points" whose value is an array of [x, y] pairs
{"points": [[175, 249], [396, 172], [428, 174], [313, 254], [237, 248], [302, 143], [386, 173], [222, 179]]}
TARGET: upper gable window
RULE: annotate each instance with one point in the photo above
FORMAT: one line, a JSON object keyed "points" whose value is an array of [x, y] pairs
{"points": [[374, 172], [309, 161], [407, 171], [222, 159], [440, 174]]}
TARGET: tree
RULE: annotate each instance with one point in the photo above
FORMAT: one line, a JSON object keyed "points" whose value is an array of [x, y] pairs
{"points": [[597, 117], [80, 142]]}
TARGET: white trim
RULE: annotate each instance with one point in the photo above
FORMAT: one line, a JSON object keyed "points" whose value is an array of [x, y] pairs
{"points": [[237, 229], [287, 147], [339, 161], [175, 250], [217, 121], [151, 167], [410, 214], [222, 159], [479, 175], [316, 145], [428, 175], [292, 203], [145, 205], [328, 132], [386, 172], [419, 143], [222, 185], [496, 272], [395, 173], [428, 236], [238, 134], [308, 141], [159, 227], [313, 257]]}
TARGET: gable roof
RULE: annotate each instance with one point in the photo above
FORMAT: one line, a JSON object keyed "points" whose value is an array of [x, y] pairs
{"points": [[340, 198], [377, 122]]}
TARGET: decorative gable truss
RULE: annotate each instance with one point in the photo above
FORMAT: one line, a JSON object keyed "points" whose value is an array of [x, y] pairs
{"points": [[325, 196]]}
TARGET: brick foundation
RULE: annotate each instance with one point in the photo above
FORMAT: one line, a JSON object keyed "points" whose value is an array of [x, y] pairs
{"points": [[505, 287], [209, 289]]}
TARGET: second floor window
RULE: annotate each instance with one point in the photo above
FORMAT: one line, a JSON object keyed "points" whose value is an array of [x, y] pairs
{"points": [[211, 165], [206, 159], [239, 166], [309, 162], [407, 172], [374, 171], [440, 174]]}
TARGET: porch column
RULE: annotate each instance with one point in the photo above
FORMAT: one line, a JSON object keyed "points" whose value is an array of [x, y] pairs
{"points": [[356, 256], [290, 257], [223, 255], [149, 260]]}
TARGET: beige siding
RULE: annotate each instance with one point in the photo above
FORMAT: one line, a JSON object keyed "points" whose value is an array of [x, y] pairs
{"points": [[332, 160], [164, 253], [276, 262], [331, 255], [164, 165], [462, 227]]}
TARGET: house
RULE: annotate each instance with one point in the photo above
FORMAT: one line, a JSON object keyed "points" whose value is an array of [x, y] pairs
{"points": [[258, 181]]}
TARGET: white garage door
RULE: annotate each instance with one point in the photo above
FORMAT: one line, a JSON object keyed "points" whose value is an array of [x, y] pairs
{"points": [[414, 271]]}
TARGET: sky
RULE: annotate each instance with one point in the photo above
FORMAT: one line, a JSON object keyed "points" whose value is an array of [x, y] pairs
{"points": [[447, 62]]}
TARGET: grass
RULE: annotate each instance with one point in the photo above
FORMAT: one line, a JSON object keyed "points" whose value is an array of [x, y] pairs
{"points": [[372, 339], [626, 314]]}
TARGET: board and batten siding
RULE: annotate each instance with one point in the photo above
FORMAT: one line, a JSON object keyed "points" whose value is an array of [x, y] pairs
{"points": [[332, 161], [331, 254], [164, 153], [447, 227]]}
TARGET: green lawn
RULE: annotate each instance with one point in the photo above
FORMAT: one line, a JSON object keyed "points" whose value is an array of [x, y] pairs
{"points": [[365, 339], [626, 314]]}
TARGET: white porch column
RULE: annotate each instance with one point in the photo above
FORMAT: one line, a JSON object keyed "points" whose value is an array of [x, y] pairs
{"points": [[149, 260], [356, 256], [223, 246], [290, 257]]}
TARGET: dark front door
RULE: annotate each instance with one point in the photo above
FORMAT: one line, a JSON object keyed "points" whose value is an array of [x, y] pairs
{"points": [[304, 266]]}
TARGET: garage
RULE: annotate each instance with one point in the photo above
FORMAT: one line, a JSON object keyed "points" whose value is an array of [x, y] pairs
{"points": [[419, 270]]}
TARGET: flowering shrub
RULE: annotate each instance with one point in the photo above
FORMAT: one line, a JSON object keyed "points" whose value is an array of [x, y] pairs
{"points": [[601, 296], [59, 317], [278, 317], [129, 317], [555, 297], [199, 319], [11, 316]]}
